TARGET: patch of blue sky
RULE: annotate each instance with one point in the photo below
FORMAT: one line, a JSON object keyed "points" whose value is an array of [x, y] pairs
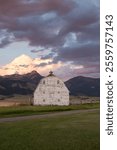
{"points": [[8, 53]]}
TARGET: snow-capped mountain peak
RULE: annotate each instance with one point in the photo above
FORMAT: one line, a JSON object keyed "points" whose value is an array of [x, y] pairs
{"points": [[24, 64], [23, 59]]}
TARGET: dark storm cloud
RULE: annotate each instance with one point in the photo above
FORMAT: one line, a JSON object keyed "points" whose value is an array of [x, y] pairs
{"points": [[17, 8], [75, 53], [33, 21], [5, 41], [41, 65], [80, 18], [34, 51], [27, 21], [50, 24]]}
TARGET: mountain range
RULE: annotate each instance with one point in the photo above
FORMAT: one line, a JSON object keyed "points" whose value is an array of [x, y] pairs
{"points": [[84, 86], [25, 84]]}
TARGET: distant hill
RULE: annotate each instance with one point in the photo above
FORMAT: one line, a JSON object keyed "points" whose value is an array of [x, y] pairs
{"points": [[84, 86], [26, 84], [19, 84]]}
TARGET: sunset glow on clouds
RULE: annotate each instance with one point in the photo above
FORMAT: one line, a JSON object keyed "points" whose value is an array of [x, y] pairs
{"points": [[63, 32], [25, 64]]}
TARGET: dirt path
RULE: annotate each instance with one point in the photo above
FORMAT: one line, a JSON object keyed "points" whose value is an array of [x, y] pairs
{"points": [[53, 114]]}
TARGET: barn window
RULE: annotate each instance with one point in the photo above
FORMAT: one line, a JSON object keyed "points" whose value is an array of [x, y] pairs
{"points": [[43, 100], [58, 92], [58, 100], [58, 82], [43, 92], [44, 82]]}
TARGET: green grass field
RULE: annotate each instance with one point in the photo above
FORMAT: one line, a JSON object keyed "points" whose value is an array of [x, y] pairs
{"points": [[30, 110], [68, 132]]}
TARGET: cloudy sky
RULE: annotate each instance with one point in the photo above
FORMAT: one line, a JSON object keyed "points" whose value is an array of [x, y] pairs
{"points": [[65, 31]]}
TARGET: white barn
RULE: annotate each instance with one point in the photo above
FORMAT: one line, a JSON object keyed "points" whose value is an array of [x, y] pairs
{"points": [[51, 91]]}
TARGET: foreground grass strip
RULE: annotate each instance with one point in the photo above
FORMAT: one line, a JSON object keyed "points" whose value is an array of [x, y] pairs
{"points": [[71, 132], [30, 110]]}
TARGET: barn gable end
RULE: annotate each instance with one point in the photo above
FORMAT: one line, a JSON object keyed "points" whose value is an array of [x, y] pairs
{"points": [[51, 91]]}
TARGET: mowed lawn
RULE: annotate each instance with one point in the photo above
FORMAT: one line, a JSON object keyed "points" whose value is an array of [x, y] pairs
{"points": [[67, 132]]}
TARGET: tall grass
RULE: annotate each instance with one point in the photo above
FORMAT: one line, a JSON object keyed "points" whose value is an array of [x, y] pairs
{"points": [[29, 110]]}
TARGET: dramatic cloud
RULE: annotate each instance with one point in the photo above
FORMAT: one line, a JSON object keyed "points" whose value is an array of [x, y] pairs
{"points": [[67, 29]]}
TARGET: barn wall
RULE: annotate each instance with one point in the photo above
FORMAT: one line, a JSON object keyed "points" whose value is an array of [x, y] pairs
{"points": [[51, 91]]}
